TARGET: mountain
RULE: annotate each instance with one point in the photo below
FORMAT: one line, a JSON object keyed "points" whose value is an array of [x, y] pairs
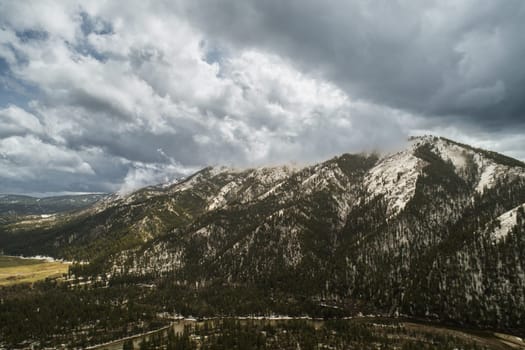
{"points": [[12, 207], [436, 230]]}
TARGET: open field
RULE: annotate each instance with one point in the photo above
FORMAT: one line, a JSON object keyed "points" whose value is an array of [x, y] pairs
{"points": [[15, 270]]}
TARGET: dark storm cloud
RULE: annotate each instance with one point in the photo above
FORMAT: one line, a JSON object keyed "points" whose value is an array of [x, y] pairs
{"points": [[96, 96], [456, 59]]}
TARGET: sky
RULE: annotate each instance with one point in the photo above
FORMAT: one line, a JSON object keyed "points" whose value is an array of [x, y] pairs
{"points": [[104, 96]]}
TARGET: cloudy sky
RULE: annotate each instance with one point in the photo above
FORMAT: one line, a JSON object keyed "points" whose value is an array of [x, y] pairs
{"points": [[113, 95]]}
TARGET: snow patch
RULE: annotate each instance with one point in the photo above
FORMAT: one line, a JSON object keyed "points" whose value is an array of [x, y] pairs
{"points": [[395, 177], [488, 170], [491, 171], [453, 153], [507, 222], [487, 178], [261, 179], [220, 199]]}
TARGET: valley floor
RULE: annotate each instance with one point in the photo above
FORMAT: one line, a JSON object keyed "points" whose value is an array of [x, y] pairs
{"points": [[15, 270]]}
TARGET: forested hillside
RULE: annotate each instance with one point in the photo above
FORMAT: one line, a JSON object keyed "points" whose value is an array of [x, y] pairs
{"points": [[436, 230]]}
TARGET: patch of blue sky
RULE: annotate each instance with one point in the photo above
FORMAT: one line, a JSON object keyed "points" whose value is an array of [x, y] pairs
{"points": [[84, 48], [95, 25], [32, 34], [92, 25], [213, 54], [12, 90]]}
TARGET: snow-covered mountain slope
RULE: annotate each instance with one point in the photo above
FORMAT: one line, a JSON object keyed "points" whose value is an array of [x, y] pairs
{"points": [[486, 164], [507, 222], [356, 223], [251, 184], [389, 230], [395, 178]]}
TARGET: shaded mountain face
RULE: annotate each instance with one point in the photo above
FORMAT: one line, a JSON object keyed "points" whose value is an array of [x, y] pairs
{"points": [[436, 230]]}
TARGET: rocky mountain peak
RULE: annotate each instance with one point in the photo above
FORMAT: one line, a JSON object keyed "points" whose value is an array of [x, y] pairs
{"points": [[386, 230]]}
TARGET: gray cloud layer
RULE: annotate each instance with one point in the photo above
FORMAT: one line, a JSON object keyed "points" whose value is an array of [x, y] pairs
{"points": [[101, 97], [437, 58]]}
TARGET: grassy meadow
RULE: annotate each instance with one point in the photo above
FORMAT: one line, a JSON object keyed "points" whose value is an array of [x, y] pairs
{"points": [[14, 270]]}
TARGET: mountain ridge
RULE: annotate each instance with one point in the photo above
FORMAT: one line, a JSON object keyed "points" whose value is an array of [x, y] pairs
{"points": [[386, 232]]}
